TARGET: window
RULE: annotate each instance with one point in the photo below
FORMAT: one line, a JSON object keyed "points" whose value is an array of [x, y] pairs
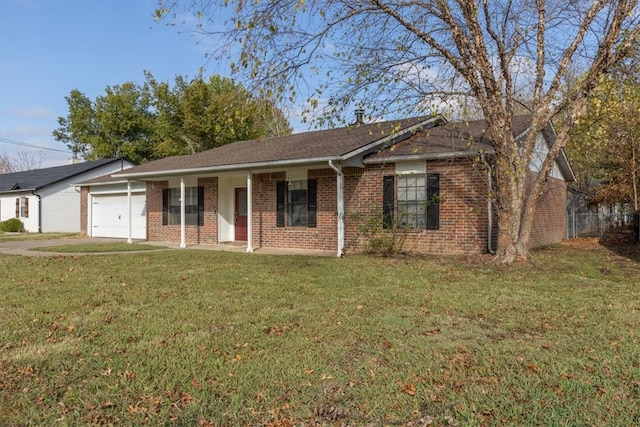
{"points": [[194, 206], [412, 196], [418, 204], [298, 199], [22, 207]]}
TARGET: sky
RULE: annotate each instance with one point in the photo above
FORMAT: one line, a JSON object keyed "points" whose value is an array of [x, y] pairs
{"points": [[50, 47]]}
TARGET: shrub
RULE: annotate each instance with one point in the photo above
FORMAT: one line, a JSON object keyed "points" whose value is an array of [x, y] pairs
{"points": [[380, 240], [11, 225]]}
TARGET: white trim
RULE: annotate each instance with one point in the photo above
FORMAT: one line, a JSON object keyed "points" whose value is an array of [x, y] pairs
{"points": [[129, 222], [340, 205], [183, 211], [249, 213]]}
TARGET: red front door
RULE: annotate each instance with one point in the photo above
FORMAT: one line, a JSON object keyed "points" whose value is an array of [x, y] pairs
{"points": [[241, 215]]}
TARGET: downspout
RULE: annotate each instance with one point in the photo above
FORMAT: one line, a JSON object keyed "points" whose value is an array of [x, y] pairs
{"points": [[340, 195], [39, 211], [489, 207]]}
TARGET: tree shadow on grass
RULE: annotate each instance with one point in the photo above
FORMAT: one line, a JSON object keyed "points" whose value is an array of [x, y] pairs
{"points": [[624, 248]]}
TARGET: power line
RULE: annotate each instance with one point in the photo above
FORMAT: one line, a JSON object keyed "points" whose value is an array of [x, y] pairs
{"points": [[27, 145]]}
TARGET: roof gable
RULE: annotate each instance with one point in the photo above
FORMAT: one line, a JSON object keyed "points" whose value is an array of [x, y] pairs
{"points": [[39, 178], [450, 139]]}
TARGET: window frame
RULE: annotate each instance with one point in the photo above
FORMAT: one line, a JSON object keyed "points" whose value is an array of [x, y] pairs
{"points": [[285, 205], [412, 201], [171, 207], [22, 207], [393, 200]]}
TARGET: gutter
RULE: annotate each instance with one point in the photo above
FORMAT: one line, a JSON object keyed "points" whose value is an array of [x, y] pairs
{"points": [[489, 207], [441, 156], [340, 202], [223, 168]]}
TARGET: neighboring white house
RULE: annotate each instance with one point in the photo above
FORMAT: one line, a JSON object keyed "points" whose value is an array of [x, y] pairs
{"points": [[47, 200]]}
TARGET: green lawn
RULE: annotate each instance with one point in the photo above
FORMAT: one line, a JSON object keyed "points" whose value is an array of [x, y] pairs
{"points": [[14, 237], [98, 247], [216, 338]]}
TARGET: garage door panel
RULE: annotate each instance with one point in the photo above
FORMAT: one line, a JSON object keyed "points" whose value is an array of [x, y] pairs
{"points": [[110, 216]]}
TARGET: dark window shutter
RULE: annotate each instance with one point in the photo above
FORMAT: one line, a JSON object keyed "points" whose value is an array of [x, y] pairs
{"points": [[18, 207], [388, 201], [312, 202], [281, 188], [200, 205], [433, 202], [26, 207], [165, 206]]}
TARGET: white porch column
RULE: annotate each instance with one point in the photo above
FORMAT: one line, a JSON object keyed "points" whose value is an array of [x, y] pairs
{"points": [[129, 225], [183, 243], [249, 213]]}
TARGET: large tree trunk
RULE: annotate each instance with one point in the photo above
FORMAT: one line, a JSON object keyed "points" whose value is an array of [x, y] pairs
{"points": [[513, 232]]}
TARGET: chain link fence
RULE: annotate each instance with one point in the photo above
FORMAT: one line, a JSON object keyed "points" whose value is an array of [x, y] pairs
{"points": [[607, 223]]}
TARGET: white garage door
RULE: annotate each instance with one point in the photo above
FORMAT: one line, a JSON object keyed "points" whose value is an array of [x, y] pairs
{"points": [[109, 216]]}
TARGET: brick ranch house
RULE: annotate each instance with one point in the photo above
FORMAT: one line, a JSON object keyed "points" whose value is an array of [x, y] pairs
{"points": [[316, 190]]}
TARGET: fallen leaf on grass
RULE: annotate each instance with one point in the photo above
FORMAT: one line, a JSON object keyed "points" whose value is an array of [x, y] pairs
{"points": [[431, 332], [186, 398], [410, 389]]}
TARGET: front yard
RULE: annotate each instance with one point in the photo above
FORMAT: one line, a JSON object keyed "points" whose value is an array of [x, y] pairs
{"points": [[218, 338]]}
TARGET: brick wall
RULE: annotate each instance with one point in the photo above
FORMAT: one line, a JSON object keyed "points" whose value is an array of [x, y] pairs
{"points": [[463, 212], [550, 220], [267, 234], [463, 208], [206, 234]]}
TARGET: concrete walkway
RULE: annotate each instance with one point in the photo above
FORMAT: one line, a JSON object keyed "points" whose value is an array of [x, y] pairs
{"points": [[24, 247]]}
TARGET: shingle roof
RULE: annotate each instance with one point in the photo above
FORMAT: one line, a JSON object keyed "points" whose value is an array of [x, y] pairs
{"points": [[450, 138], [39, 178], [323, 144]]}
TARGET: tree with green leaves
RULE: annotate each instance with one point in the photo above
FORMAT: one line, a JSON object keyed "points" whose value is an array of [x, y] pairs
{"points": [[605, 144], [202, 114], [154, 120], [393, 57]]}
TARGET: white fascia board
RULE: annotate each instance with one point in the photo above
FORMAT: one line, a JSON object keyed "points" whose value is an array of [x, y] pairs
{"points": [[98, 184], [440, 156], [20, 190], [226, 168]]}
